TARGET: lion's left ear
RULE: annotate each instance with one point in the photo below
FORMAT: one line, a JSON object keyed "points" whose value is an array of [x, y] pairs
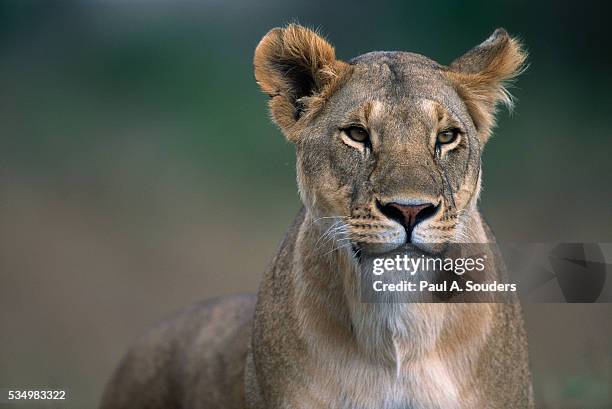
{"points": [[480, 76], [298, 69]]}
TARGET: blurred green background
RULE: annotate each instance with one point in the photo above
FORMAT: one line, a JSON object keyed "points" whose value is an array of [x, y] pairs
{"points": [[139, 171]]}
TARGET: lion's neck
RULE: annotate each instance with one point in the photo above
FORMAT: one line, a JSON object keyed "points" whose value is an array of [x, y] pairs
{"points": [[329, 306]]}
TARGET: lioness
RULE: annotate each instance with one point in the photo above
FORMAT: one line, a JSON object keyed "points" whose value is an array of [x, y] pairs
{"points": [[388, 155]]}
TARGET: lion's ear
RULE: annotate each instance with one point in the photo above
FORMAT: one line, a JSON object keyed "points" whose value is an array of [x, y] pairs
{"points": [[292, 65], [481, 74]]}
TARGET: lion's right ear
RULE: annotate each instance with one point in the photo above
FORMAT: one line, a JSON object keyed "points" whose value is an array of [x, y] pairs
{"points": [[298, 70], [481, 74]]}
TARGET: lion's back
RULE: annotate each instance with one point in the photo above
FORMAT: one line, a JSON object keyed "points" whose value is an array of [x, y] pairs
{"points": [[194, 359]]}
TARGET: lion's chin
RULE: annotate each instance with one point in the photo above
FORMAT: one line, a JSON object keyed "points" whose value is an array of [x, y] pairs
{"points": [[376, 249], [392, 249], [428, 248]]}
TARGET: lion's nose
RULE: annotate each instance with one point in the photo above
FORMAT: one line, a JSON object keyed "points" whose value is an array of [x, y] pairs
{"points": [[408, 215]]}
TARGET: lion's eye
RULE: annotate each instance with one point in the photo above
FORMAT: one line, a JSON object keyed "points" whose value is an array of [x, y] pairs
{"points": [[357, 134], [446, 137]]}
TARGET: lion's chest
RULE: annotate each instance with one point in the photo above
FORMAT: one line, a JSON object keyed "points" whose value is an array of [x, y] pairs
{"points": [[358, 385]]}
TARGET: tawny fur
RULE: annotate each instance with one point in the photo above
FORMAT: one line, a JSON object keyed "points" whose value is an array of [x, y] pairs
{"points": [[308, 340]]}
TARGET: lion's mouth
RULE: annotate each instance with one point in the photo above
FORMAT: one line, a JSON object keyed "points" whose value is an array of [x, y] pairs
{"points": [[357, 253]]}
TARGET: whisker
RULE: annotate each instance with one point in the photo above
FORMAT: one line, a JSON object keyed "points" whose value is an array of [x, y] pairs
{"points": [[347, 245], [328, 233]]}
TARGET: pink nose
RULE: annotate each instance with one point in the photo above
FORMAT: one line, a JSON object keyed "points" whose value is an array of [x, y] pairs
{"points": [[408, 215]]}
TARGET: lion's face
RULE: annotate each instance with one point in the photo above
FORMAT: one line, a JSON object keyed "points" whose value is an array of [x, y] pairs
{"points": [[393, 157], [389, 145]]}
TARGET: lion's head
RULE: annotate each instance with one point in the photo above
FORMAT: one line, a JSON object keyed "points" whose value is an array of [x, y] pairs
{"points": [[389, 143]]}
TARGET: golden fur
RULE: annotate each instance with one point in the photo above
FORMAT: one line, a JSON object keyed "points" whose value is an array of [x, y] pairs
{"points": [[309, 341]]}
